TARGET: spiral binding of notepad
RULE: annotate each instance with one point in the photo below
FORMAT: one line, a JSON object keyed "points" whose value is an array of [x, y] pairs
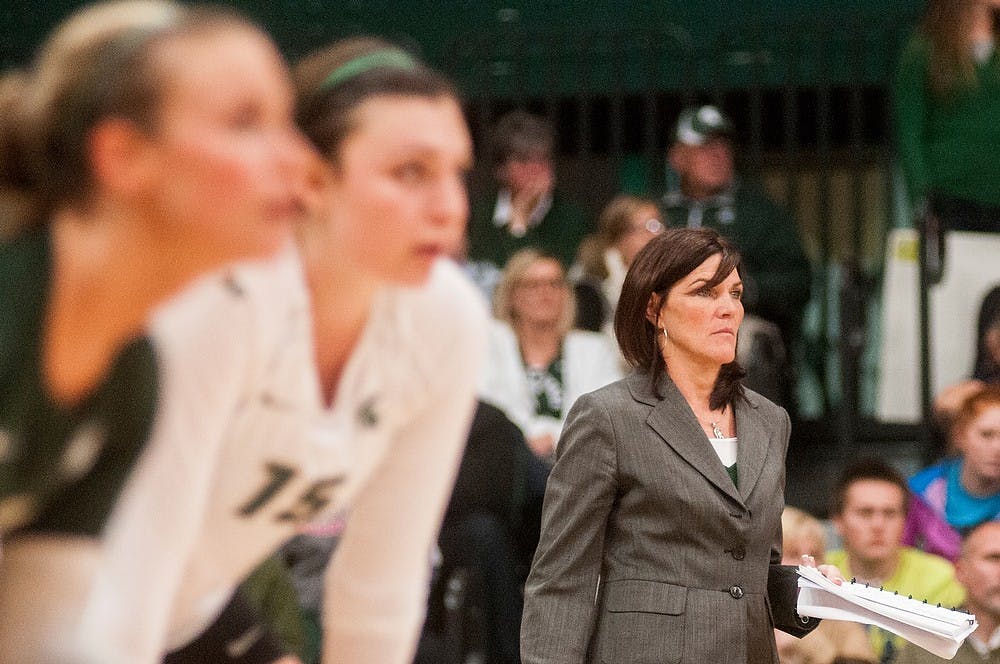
{"points": [[935, 628]]}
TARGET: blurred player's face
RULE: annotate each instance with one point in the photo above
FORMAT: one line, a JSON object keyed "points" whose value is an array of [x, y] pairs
{"points": [[539, 296], [396, 194], [226, 159], [979, 442], [872, 520]]}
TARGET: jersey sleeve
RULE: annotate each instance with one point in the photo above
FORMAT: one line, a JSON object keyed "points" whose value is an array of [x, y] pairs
{"points": [[376, 587], [205, 341]]}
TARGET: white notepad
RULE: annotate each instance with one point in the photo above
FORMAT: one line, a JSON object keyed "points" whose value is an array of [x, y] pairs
{"points": [[934, 628]]}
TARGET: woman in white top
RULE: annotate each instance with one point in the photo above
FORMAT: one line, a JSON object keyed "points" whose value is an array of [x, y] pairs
{"points": [[537, 365], [349, 365]]}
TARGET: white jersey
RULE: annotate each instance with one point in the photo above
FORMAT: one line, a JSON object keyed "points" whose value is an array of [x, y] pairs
{"points": [[140, 558], [387, 448]]}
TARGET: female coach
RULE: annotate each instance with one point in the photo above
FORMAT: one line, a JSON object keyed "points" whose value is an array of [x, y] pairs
{"points": [[661, 531]]}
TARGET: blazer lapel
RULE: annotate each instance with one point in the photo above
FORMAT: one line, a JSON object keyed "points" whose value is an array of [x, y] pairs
{"points": [[674, 421], [752, 445]]}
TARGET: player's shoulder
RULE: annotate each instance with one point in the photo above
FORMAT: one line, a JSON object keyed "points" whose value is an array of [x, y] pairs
{"points": [[244, 296], [436, 329], [447, 303]]}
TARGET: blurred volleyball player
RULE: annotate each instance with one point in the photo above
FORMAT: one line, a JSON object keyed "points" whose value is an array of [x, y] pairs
{"points": [[362, 346], [148, 143]]}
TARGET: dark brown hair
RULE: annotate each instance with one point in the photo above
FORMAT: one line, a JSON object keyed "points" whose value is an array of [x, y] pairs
{"points": [[326, 112], [871, 469], [100, 63], [666, 260], [946, 25]]}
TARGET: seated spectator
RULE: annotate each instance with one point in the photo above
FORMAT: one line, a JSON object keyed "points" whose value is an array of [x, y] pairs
{"points": [[626, 224], [537, 365], [868, 509], [775, 271], [978, 570], [526, 209], [960, 492], [834, 641], [489, 536]]}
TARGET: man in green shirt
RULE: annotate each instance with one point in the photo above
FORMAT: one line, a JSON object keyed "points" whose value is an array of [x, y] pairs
{"points": [[868, 509], [707, 192]]}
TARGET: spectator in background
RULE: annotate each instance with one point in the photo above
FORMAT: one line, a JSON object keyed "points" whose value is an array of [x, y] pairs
{"points": [[626, 224], [961, 492], [833, 641], [526, 209], [775, 270], [537, 365], [978, 570], [947, 108], [868, 508]]}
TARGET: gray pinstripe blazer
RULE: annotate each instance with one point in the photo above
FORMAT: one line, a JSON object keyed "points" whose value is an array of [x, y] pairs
{"points": [[687, 562]]}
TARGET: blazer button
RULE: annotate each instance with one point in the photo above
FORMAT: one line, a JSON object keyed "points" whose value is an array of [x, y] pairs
{"points": [[736, 592], [739, 553]]}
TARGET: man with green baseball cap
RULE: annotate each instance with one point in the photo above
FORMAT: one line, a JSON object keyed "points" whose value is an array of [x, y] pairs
{"points": [[707, 192]]}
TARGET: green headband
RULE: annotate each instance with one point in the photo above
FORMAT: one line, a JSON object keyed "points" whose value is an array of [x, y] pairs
{"points": [[393, 58]]}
